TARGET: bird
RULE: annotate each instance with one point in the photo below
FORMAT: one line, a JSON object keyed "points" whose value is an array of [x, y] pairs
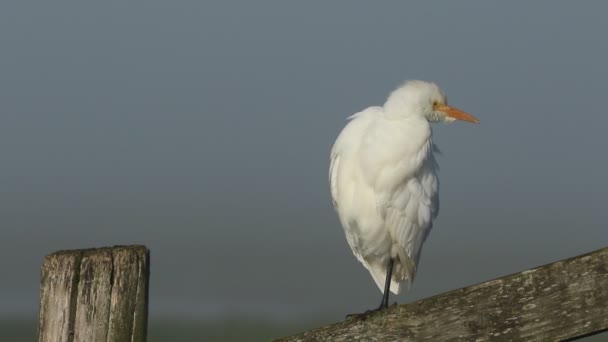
{"points": [[384, 183]]}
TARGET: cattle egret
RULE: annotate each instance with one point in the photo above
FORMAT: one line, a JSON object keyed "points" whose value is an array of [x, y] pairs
{"points": [[384, 183]]}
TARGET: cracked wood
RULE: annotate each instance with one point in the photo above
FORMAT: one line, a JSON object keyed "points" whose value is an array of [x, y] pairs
{"points": [[94, 295]]}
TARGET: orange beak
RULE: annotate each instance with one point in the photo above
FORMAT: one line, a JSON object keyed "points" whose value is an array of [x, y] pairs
{"points": [[456, 113]]}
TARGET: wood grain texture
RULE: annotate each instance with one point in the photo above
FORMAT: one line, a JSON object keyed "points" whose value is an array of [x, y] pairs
{"points": [[94, 289], [559, 301], [95, 295], [57, 292]]}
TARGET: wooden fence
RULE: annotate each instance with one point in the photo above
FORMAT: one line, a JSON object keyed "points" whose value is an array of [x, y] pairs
{"points": [[102, 295]]}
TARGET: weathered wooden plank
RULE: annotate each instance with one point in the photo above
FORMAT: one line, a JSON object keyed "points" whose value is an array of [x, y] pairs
{"points": [[95, 295], [140, 312], [57, 292], [127, 266], [94, 288], [558, 301]]}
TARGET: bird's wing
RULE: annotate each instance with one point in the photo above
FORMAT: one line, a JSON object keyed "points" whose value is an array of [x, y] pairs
{"points": [[340, 179], [344, 179], [334, 165], [409, 213]]}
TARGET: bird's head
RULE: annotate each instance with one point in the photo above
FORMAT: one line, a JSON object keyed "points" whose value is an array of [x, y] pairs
{"points": [[423, 99]]}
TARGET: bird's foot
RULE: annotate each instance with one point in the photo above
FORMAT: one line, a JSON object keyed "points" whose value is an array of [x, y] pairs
{"points": [[362, 316], [365, 315]]}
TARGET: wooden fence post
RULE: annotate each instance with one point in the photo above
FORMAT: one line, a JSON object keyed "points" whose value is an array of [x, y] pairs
{"points": [[93, 295]]}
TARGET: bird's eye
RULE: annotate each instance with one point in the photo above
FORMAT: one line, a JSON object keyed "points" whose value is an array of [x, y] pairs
{"points": [[435, 103]]}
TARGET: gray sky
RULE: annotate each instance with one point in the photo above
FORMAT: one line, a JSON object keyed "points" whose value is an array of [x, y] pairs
{"points": [[203, 131]]}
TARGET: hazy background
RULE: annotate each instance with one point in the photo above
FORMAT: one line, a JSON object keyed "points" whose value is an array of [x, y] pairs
{"points": [[203, 129]]}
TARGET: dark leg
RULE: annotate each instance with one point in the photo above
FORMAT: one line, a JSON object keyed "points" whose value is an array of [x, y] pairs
{"points": [[384, 302], [387, 284]]}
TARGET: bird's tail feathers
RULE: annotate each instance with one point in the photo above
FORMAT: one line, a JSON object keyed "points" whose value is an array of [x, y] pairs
{"points": [[405, 268]]}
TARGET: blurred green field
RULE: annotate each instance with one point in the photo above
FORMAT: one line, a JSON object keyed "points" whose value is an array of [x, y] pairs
{"points": [[228, 330]]}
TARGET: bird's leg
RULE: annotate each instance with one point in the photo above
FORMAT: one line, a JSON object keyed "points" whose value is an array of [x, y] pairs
{"points": [[387, 288], [387, 284]]}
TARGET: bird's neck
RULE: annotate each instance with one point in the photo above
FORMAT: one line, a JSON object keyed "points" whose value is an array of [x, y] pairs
{"points": [[407, 135]]}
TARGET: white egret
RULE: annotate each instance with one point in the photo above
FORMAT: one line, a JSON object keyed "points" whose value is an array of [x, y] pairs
{"points": [[384, 183]]}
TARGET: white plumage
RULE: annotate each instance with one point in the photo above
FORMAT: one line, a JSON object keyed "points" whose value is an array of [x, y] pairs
{"points": [[384, 183]]}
